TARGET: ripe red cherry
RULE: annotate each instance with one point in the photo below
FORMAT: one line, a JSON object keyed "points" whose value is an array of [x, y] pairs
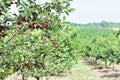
{"points": [[46, 22], [44, 26], [31, 26], [31, 6], [24, 30], [1, 52], [37, 27], [14, 45], [42, 23], [2, 35], [34, 22], [19, 22], [23, 19]]}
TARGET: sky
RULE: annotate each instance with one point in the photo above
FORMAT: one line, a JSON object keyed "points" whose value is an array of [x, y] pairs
{"points": [[89, 11]]}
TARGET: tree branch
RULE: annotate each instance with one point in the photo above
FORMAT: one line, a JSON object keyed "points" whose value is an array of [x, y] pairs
{"points": [[13, 35]]}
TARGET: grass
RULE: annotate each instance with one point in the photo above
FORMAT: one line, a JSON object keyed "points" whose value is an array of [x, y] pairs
{"points": [[81, 72]]}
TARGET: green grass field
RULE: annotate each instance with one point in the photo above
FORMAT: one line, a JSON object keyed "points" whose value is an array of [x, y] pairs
{"points": [[81, 72]]}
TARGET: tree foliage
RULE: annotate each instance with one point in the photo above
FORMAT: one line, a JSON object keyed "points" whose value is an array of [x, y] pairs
{"points": [[38, 41]]}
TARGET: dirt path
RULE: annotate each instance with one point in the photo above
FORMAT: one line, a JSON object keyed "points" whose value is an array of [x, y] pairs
{"points": [[104, 73], [81, 72]]}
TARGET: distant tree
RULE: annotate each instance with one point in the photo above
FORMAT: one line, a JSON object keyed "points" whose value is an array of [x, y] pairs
{"points": [[104, 24]]}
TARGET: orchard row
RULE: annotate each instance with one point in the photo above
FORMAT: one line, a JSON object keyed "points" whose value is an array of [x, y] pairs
{"points": [[100, 44]]}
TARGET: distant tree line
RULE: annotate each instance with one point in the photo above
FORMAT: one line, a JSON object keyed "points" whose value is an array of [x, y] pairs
{"points": [[101, 24]]}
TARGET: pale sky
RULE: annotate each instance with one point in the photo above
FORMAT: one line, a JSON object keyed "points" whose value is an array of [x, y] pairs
{"points": [[88, 11], [95, 11]]}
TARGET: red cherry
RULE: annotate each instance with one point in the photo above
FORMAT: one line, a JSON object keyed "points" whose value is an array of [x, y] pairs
{"points": [[2, 35], [42, 23], [31, 6], [14, 45], [24, 30], [2, 27], [19, 22], [37, 27], [44, 26], [34, 22], [23, 19], [1, 52], [31, 26], [46, 22]]}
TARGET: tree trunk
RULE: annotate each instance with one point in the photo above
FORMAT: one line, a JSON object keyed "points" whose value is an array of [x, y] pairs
{"points": [[37, 78], [106, 63], [23, 77], [113, 66]]}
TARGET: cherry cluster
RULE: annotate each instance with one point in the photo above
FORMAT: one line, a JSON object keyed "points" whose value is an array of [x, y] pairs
{"points": [[42, 25], [34, 25]]}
